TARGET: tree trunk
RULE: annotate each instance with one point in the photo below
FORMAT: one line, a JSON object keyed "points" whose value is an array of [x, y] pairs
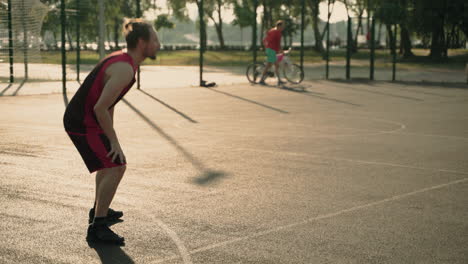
{"points": [[219, 32], [116, 33], [438, 49], [438, 45], [359, 27], [379, 36], [55, 39], [69, 38], [368, 20], [108, 37], [219, 28], [405, 44], [264, 26], [391, 38], [315, 21]]}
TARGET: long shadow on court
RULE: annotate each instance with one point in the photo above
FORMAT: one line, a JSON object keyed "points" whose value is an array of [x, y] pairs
{"points": [[422, 85], [207, 176], [413, 90], [311, 94], [250, 101], [170, 107], [17, 89], [349, 86], [6, 89], [440, 85], [111, 254]]}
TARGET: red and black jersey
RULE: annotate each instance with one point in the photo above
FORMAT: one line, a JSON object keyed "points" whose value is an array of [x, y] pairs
{"points": [[79, 116]]}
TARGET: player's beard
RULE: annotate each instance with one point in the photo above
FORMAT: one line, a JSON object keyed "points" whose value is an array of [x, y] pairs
{"points": [[149, 55]]}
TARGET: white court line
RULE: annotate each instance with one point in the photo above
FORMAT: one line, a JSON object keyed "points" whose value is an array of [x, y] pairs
{"points": [[320, 217], [200, 129], [34, 155], [353, 160], [34, 126], [184, 253], [431, 135]]}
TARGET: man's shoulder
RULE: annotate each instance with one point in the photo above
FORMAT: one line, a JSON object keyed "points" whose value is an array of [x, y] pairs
{"points": [[122, 69]]}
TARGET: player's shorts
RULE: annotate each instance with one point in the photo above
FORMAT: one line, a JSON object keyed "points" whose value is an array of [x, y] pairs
{"points": [[94, 148], [271, 55]]}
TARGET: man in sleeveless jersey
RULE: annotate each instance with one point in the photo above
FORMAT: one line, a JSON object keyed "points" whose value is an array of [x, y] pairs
{"points": [[272, 43], [88, 121]]}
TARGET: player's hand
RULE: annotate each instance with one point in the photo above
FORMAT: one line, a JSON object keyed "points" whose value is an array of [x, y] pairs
{"points": [[116, 153]]}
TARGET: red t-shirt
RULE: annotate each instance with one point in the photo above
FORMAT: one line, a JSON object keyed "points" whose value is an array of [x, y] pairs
{"points": [[273, 39]]}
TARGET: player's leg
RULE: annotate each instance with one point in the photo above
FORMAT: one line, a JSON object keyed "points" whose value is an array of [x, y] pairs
{"points": [[277, 73], [107, 181], [271, 59], [264, 74], [112, 215]]}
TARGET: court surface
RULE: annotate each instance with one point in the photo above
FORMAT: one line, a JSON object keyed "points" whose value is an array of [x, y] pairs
{"points": [[323, 172]]}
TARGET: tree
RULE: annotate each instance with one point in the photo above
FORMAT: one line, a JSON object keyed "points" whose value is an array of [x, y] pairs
{"points": [[210, 7], [244, 14], [162, 21], [389, 13], [405, 45], [213, 11]]}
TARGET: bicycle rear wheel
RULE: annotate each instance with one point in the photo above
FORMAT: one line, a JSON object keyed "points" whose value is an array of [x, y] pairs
{"points": [[293, 73], [254, 72]]}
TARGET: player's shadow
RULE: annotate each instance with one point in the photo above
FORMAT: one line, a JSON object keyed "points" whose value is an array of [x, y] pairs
{"points": [[111, 254], [207, 176]]}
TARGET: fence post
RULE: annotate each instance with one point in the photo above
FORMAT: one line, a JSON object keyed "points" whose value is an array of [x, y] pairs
{"points": [[202, 36], [138, 14], [10, 42], [254, 32], [78, 50], [372, 46], [327, 55], [302, 33], [64, 55], [394, 46], [348, 50]]}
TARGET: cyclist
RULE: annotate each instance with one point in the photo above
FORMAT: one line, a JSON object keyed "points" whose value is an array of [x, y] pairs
{"points": [[272, 43]]}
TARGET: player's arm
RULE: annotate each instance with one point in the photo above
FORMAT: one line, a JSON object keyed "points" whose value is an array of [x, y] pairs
{"points": [[111, 113], [265, 40], [120, 75], [280, 46]]}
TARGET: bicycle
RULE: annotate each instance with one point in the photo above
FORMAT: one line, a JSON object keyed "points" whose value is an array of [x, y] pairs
{"points": [[292, 72]]}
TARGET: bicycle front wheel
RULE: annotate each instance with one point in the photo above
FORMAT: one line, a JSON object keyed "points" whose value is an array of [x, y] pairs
{"points": [[293, 73], [254, 72]]}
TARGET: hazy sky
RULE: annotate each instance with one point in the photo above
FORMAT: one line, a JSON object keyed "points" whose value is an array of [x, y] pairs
{"points": [[339, 12]]}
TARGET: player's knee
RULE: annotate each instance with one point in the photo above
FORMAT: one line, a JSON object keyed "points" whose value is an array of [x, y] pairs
{"points": [[121, 170]]}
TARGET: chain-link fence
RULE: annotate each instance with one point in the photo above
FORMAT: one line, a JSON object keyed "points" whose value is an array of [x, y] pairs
{"points": [[353, 48]]}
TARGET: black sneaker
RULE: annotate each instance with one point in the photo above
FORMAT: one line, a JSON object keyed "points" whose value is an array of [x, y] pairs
{"points": [[103, 234], [262, 82], [281, 83], [112, 216]]}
